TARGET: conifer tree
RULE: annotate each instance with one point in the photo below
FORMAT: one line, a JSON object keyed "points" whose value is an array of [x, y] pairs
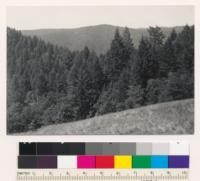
{"points": [[145, 62], [185, 49], [168, 61], [128, 44], [115, 60], [156, 38]]}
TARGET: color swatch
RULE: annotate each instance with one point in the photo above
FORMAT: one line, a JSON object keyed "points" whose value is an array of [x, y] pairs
{"points": [[47, 161], [103, 155], [123, 161], [142, 162], [67, 161], [104, 161], [178, 161], [141, 148], [159, 161], [85, 161]]}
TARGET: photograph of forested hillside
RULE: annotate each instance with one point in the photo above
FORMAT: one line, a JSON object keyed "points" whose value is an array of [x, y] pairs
{"points": [[101, 79]]}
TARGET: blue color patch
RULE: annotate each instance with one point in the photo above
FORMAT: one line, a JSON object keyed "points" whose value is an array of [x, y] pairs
{"points": [[159, 161]]}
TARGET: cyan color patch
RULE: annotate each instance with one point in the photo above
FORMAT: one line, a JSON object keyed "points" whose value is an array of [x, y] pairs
{"points": [[159, 161]]}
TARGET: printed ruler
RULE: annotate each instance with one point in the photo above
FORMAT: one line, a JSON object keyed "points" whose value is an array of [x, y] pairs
{"points": [[103, 174]]}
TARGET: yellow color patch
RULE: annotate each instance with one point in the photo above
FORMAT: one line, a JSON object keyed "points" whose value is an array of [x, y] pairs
{"points": [[124, 161]]}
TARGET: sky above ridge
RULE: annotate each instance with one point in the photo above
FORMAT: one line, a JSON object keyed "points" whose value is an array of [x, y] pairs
{"points": [[45, 17]]}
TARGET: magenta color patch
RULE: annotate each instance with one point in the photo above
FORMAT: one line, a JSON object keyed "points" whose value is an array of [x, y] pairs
{"points": [[86, 161]]}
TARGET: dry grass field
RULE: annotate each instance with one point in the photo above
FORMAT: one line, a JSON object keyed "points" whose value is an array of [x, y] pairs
{"points": [[175, 117]]}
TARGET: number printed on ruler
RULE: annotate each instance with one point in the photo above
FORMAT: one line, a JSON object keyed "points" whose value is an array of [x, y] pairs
{"points": [[103, 174]]}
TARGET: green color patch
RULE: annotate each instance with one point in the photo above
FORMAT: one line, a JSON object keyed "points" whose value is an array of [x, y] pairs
{"points": [[141, 161]]}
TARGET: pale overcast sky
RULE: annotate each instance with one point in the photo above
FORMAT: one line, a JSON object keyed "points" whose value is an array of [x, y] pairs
{"points": [[77, 16]]}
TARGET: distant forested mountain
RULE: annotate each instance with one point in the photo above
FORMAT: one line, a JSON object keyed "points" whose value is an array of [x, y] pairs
{"points": [[97, 38], [49, 84]]}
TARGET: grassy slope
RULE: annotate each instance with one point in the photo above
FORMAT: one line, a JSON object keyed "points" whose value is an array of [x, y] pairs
{"points": [[175, 117]]}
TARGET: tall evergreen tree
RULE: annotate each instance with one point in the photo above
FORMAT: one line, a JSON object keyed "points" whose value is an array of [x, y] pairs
{"points": [[115, 60], [145, 63], [128, 44], [96, 81], [41, 84], [156, 38], [184, 49], [168, 61]]}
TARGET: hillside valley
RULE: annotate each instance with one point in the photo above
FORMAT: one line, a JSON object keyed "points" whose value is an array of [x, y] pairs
{"points": [[97, 38]]}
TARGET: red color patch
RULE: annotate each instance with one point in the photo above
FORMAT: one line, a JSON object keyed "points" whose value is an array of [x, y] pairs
{"points": [[105, 161]]}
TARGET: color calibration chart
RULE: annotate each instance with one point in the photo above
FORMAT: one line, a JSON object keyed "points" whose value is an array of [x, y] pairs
{"points": [[103, 161]]}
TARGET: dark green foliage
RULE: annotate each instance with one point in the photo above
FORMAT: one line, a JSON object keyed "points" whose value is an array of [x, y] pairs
{"points": [[128, 43], [135, 96], [84, 85], [117, 73], [47, 84], [115, 95], [115, 58], [106, 102], [145, 63], [185, 49], [178, 86], [169, 60], [152, 91], [156, 37]]}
